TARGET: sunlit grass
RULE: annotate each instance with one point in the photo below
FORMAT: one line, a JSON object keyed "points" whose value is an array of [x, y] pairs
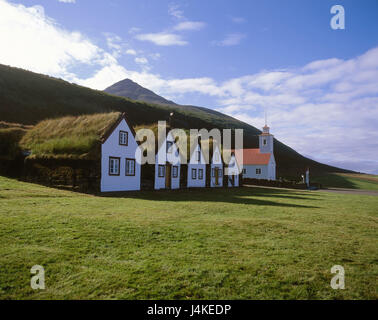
{"points": [[246, 243]]}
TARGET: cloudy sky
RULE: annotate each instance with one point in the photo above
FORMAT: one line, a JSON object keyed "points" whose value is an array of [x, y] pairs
{"points": [[319, 86]]}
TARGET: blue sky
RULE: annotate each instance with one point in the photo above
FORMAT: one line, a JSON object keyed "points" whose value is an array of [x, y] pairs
{"points": [[318, 85]]}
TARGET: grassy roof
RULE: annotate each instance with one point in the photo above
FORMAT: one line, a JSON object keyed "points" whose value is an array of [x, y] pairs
{"points": [[69, 136]]}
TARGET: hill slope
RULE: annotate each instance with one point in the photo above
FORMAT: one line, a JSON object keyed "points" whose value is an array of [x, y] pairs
{"points": [[27, 98]]}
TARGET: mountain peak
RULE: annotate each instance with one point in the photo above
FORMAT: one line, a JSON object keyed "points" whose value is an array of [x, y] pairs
{"points": [[129, 89]]}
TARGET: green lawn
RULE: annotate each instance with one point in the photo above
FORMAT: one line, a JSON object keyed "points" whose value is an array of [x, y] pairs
{"points": [[246, 243], [348, 180]]}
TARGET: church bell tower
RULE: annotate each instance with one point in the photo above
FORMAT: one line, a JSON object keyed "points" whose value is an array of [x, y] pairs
{"points": [[266, 141]]}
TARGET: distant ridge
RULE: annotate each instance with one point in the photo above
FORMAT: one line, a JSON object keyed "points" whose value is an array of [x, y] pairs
{"points": [[130, 89]]}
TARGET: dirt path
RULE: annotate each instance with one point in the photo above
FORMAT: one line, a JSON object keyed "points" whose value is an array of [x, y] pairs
{"points": [[332, 190]]}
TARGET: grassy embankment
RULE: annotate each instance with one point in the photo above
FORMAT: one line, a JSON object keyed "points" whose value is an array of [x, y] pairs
{"points": [[348, 180], [247, 243]]}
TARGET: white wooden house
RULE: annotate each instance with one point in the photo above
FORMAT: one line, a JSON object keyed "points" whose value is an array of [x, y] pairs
{"points": [[167, 165], [120, 158], [196, 168], [216, 168], [232, 172]]}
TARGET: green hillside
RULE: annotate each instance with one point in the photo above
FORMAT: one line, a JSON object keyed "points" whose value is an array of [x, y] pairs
{"points": [[27, 98]]}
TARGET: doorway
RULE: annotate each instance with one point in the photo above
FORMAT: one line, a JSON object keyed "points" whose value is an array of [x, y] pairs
{"points": [[168, 176], [217, 176]]}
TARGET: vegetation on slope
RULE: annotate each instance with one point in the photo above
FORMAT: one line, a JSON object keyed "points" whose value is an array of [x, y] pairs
{"points": [[245, 243], [27, 97]]}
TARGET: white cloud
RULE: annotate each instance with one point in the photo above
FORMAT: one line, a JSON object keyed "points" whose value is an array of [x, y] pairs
{"points": [[141, 60], [175, 12], [67, 1], [231, 39], [155, 56], [162, 39], [131, 52], [134, 30], [50, 49], [189, 25]]}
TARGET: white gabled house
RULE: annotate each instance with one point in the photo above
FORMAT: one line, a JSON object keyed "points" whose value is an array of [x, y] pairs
{"points": [[197, 168], [167, 165], [216, 168], [232, 172], [120, 158]]}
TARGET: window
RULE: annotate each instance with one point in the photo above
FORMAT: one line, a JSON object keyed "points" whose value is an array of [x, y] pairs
{"points": [[175, 172], [198, 156], [169, 146], [220, 172], [258, 171], [244, 171], [123, 138], [264, 142], [130, 167], [114, 166], [194, 174], [200, 174], [213, 172], [161, 171]]}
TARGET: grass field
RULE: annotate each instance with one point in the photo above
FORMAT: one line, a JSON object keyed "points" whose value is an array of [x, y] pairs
{"points": [[246, 243], [348, 180]]}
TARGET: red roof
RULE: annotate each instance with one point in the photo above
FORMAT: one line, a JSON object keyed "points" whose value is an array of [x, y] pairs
{"points": [[252, 157]]}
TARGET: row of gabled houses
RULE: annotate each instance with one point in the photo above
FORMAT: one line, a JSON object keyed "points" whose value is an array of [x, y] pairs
{"points": [[121, 168], [113, 163]]}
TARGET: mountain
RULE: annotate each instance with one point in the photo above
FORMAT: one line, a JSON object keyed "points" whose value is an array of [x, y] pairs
{"points": [[130, 89], [27, 98]]}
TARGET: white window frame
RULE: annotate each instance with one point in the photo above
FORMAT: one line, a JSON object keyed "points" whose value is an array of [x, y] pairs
{"points": [[169, 146], [194, 174], [200, 174], [114, 166], [129, 172], [123, 138]]}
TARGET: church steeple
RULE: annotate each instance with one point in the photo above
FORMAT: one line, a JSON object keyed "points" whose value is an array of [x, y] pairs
{"points": [[266, 140]]}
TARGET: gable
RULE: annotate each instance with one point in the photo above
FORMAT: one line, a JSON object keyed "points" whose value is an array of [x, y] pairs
{"points": [[120, 124], [216, 157], [162, 155], [193, 157], [112, 138]]}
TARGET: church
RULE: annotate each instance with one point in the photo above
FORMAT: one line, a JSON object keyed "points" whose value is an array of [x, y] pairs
{"points": [[259, 163]]}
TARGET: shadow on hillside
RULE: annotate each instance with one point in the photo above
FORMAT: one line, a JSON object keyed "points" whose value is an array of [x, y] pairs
{"points": [[243, 195]]}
